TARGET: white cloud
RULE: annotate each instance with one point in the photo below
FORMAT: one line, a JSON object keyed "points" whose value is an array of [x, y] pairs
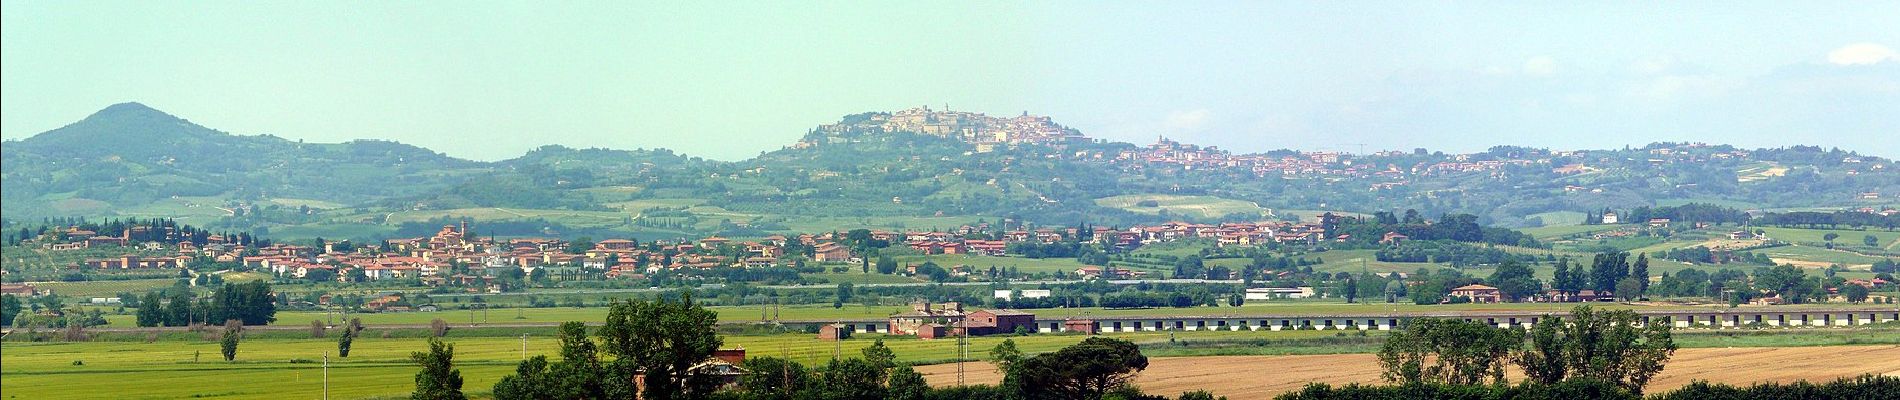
{"points": [[1861, 54], [1653, 65], [1675, 87], [1540, 66], [1189, 121]]}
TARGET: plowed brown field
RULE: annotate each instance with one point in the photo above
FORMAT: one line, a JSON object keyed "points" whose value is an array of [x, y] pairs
{"points": [[1259, 377]]}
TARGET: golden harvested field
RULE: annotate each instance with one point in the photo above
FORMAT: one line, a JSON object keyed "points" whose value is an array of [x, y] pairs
{"points": [[1259, 377]]}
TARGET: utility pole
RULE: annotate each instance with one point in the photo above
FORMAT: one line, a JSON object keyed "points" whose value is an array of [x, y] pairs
{"points": [[524, 346], [326, 375], [963, 346]]}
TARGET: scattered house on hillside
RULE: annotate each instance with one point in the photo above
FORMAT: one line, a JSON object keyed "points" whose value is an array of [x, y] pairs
{"points": [[1094, 272], [1478, 294], [1610, 218], [830, 253], [19, 289], [1023, 294], [1659, 222], [1393, 238], [1089, 271]]}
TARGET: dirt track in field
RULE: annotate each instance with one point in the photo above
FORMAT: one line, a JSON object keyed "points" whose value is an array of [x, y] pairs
{"points": [[1259, 377]]}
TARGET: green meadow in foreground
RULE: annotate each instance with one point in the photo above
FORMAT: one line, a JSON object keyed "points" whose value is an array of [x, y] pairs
{"points": [[273, 366]]}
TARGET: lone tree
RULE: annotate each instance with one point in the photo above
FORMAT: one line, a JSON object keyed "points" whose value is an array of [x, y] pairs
{"points": [[343, 341], [1640, 272], [229, 342], [316, 329], [438, 379], [149, 313], [662, 340], [1458, 352], [1085, 370], [880, 356], [577, 376], [1601, 345], [1005, 354]]}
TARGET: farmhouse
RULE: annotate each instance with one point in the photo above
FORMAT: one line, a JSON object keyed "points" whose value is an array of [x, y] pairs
{"points": [[949, 319], [1393, 238], [990, 322], [830, 253], [921, 315], [1478, 293], [19, 289]]}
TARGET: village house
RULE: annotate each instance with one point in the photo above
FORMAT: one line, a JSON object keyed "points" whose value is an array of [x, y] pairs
{"points": [[1477, 294], [926, 321]]}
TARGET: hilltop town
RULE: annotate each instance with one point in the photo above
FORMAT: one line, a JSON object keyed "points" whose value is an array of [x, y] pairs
{"points": [[972, 127]]}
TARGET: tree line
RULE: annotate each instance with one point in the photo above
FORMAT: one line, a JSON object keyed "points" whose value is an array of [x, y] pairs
{"points": [[250, 303]]}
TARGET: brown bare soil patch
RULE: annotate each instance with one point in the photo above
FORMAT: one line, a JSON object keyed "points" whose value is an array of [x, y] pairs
{"points": [[1259, 377]]}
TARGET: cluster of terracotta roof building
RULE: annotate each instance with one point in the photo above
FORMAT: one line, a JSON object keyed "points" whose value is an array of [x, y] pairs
{"points": [[1169, 152], [453, 256], [967, 126]]}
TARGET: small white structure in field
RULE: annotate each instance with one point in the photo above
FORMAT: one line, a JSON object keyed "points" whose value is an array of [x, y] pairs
{"points": [[1279, 293]]}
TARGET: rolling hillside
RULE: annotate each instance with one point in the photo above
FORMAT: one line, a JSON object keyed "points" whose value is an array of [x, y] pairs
{"points": [[131, 160]]}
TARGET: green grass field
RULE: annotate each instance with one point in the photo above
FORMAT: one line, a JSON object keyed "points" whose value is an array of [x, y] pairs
{"points": [[1559, 218], [1024, 265], [1739, 205], [1342, 261], [379, 367], [1819, 257], [1195, 206], [104, 288], [1178, 248], [318, 204], [856, 277], [1548, 232], [277, 367], [1889, 240]]}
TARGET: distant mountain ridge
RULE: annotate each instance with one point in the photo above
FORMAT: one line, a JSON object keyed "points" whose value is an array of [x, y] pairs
{"points": [[876, 169]]}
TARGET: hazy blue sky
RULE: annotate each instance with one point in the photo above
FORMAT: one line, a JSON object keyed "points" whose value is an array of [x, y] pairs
{"points": [[730, 81]]}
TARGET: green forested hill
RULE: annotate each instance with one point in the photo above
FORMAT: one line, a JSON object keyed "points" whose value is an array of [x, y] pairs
{"points": [[131, 160]]}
